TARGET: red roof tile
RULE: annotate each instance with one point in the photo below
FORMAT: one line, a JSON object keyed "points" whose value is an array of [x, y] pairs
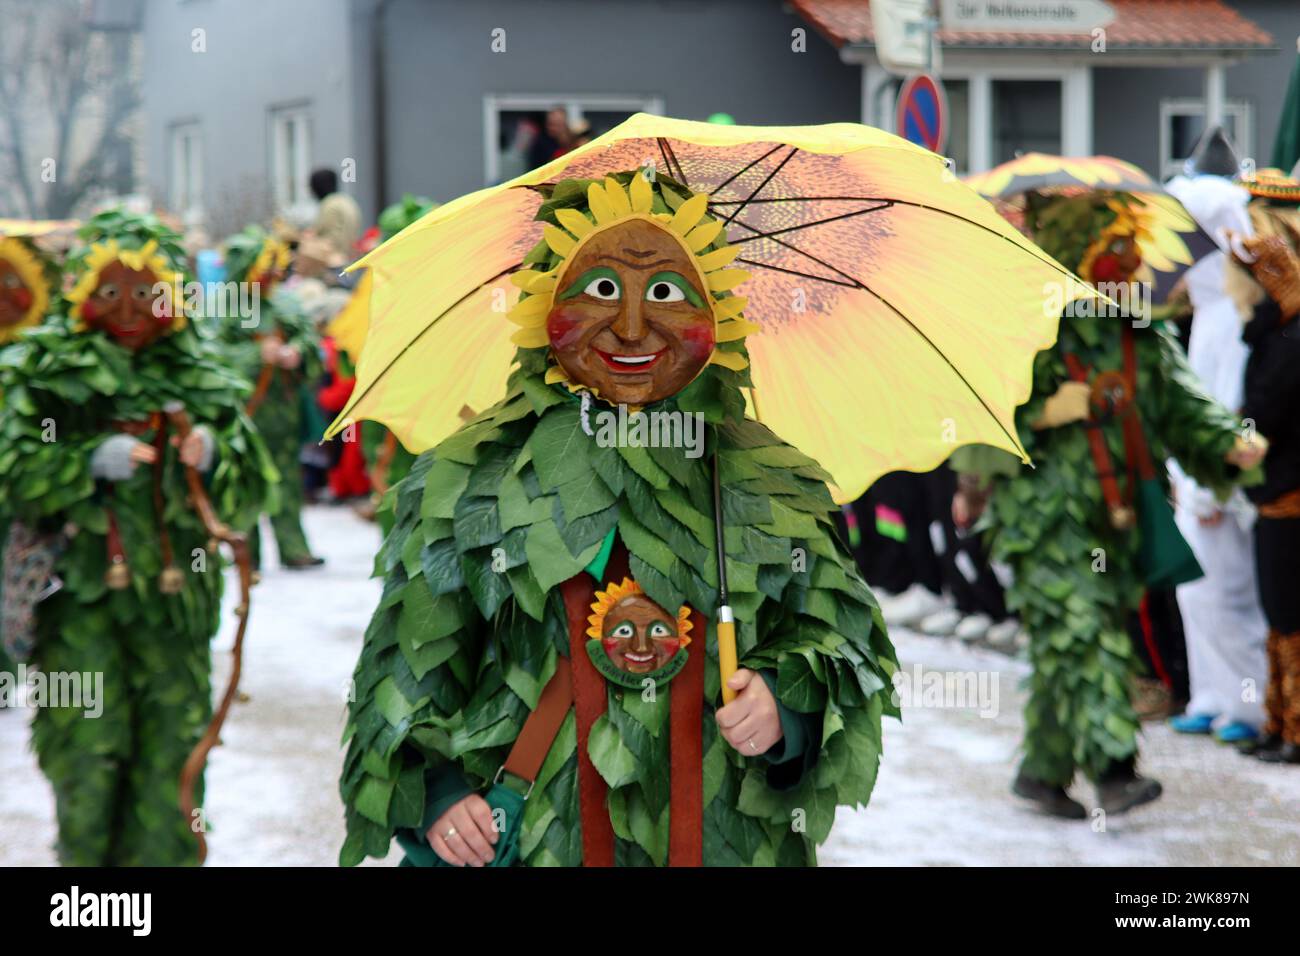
{"points": [[1139, 24]]}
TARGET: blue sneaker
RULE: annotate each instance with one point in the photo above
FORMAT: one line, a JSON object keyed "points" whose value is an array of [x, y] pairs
{"points": [[1236, 732], [1192, 723]]}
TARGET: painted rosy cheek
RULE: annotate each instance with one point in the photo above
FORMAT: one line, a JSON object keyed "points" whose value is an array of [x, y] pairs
{"points": [[21, 298], [699, 341], [669, 645], [89, 312], [564, 327]]}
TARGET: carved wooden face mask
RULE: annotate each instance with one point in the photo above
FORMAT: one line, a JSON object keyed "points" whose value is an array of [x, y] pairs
{"points": [[634, 638], [1118, 261], [122, 304], [631, 319], [15, 297]]}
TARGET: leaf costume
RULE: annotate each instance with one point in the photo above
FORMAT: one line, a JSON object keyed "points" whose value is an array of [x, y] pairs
{"points": [[507, 538], [1076, 575], [141, 581], [277, 402], [28, 279]]}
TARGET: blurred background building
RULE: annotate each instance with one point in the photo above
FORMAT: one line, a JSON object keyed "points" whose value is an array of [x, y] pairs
{"points": [[238, 100]]}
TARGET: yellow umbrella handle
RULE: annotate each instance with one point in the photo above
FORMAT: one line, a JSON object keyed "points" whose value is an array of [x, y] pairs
{"points": [[726, 651]]}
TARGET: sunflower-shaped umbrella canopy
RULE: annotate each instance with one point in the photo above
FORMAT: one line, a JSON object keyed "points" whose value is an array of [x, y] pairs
{"points": [[1170, 240], [898, 315]]}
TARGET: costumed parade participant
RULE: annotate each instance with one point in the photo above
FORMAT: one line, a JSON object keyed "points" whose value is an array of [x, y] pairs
{"points": [[126, 451], [1090, 527], [280, 354], [1221, 614], [654, 652], [28, 281], [1272, 302]]}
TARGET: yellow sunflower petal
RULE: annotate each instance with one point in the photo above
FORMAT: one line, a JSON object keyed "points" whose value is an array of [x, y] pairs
{"points": [[599, 204], [561, 242], [701, 236], [718, 258], [734, 329], [617, 197], [522, 278], [640, 194], [726, 279], [732, 360], [574, 221], [689, 214], [732, 305], [556, 374], [530, 338]]}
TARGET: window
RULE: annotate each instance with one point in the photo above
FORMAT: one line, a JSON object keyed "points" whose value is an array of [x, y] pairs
{"points": [[1026, 118], [528, 130], [185, 177], [291, 161], [1182, 122]]}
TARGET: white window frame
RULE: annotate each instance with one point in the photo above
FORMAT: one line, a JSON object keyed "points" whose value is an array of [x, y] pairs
{"points": [[289, 171], [1076, 100], [1241, 111], [573, 103], [185, 170]]}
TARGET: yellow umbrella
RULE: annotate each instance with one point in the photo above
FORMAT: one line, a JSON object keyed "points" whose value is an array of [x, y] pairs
{"points": [[899, 314], [1169, 241]]}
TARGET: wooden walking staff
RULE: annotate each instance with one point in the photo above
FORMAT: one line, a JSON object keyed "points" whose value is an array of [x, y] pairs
{"points": [[220, 531], [726, 622]]}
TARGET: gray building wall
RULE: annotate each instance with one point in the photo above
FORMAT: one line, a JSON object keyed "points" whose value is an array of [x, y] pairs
{"points": [[260, 54], [731, 56], [1126, 101]]}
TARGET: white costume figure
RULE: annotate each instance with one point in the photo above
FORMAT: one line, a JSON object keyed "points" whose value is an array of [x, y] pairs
{"points": [[1222, 619]]}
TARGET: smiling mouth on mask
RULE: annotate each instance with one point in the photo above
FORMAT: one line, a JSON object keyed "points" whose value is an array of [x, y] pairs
{"points": [[630, 363]]}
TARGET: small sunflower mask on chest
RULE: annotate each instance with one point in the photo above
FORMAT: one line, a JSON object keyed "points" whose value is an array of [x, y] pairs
{"points": [[633, 639], [637, 303]]}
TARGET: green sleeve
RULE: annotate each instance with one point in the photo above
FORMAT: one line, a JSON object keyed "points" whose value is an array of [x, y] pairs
{"points": [[794, 754], [1195, 428], [443, 787]]}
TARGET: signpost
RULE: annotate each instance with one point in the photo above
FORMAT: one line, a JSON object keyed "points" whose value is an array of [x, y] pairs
{"points": [[921, 115], [903, 32]]}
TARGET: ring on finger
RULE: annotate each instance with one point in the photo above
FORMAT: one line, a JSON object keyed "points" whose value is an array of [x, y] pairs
{"points": [[451, 832], [752, 746]]}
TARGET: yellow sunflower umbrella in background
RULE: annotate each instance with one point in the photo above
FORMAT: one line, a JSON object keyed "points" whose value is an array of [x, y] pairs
{"points": [[1169, 241], [898, 313]]}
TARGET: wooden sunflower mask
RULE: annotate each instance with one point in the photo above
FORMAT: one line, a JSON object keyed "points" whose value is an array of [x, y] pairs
{"points": [[130, 294], [632, 303], [24, 290]]}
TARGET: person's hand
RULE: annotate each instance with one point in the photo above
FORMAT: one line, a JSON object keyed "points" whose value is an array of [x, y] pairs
{"points": [[271, 350], [1246, 453], [143, 453], [288, 357], [465, 834], [191, 449], [750, 723], [1069, 403], [1211, 520]]}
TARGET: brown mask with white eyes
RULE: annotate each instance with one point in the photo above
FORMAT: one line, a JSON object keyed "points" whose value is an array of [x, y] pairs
{"points": [[122, 305], [630, 319]]}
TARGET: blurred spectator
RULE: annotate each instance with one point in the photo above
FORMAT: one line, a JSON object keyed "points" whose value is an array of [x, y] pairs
{"points": [[339, 221]]}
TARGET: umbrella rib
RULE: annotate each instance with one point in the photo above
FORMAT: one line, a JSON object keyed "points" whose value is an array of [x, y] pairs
{"points": [[759, 188], [671, 161], [806, 225], [740, 172], [849, 284], [356, 399]]}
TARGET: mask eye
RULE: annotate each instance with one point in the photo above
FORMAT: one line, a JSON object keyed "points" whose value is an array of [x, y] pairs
{"points": [[109, 291], [603, 288], [12, 281], [624, 630], [664, 291], [1117, 246], [660, 629], [142, 292]]}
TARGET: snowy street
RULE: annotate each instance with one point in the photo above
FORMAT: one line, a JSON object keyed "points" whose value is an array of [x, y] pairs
{"points": [[942, 797]]}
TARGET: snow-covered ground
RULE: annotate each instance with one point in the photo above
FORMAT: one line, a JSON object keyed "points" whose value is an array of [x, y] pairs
{"points": [[942, 797]]}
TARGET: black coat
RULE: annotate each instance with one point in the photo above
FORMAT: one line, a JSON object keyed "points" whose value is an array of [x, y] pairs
{"points": [[1273, 397]]}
